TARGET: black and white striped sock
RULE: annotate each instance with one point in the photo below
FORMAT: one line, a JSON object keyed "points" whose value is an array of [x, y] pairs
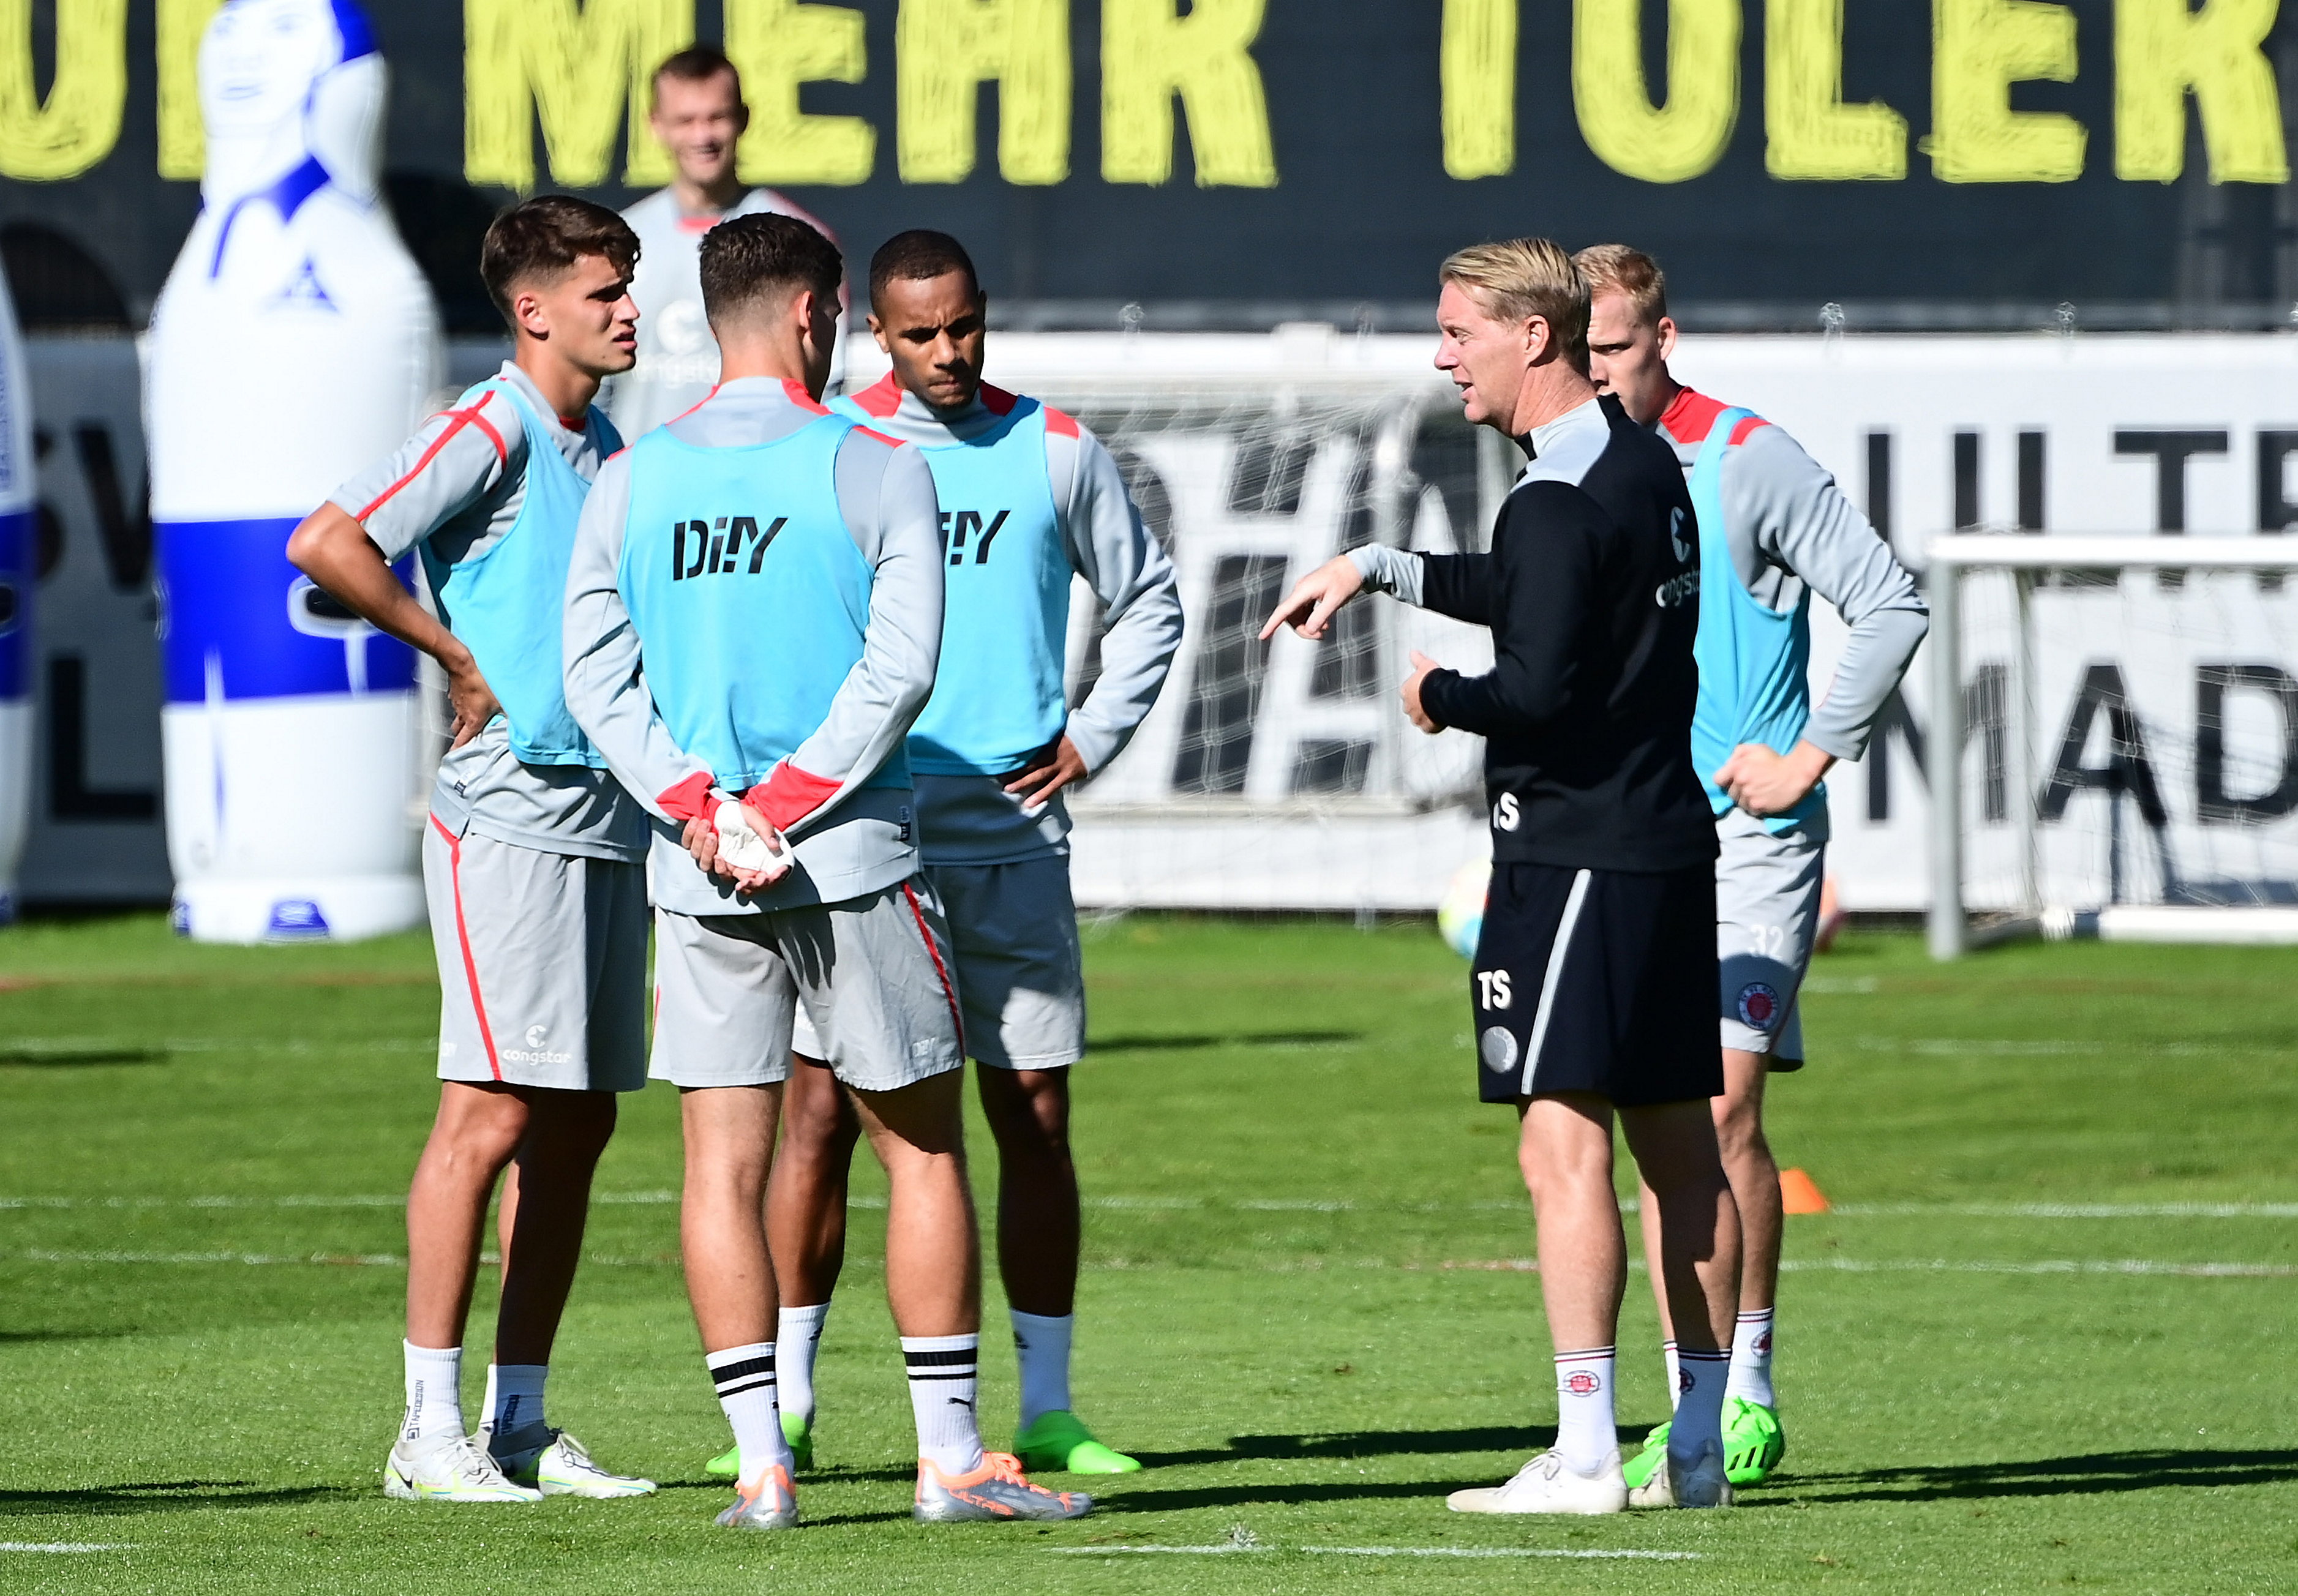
{"points": [[745, 1378], [944, 1379]]}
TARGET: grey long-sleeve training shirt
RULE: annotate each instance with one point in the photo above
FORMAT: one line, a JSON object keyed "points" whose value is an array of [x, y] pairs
{"points": [[972, 820], [849, 840], [1790, 527]]}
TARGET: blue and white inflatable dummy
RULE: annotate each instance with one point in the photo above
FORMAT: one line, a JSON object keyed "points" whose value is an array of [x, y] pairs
{"points": [[17, 576], [294, 345]]}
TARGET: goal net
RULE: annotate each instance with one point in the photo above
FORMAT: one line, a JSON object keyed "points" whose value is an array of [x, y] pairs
{"points": [[2126, 715], [1278, 775]]}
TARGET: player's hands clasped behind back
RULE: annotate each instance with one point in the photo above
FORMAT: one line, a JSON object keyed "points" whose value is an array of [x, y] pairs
{"points": [[705, 835], [1309, 608]]}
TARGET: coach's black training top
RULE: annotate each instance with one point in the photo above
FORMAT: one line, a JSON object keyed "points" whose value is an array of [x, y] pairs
{"points": [[1591, 592]]}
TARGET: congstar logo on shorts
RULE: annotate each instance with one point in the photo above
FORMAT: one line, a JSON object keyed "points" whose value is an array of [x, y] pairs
{"points": [[536, 1051]]}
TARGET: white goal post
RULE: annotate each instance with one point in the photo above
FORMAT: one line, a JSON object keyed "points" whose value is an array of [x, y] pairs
{"points": [[2133, 705]]}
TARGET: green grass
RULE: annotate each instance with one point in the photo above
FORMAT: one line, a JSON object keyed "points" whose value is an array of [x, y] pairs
{"points": [[1304, 1300]]}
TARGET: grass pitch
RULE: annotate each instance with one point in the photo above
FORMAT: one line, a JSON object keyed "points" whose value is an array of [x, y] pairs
{"points": [[2041, 1340]]}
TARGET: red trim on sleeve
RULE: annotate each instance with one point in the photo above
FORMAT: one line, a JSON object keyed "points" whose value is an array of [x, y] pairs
{"points": [[882, 437], [461, 420], [881, 398], [1747, 424], [997, 401], [1060, 424], [689, 799], [1690, 417], [804, 401], [689, 410], [789, 796]]}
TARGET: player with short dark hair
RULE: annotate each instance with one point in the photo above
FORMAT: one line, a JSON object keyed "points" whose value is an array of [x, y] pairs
{"points": [[1030, 502], [1773, 530], [753, 619], [1591, 981], [533, 858], [699, 114]]}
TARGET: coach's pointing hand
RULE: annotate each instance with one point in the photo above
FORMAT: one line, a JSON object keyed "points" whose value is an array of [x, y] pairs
{"points": [[1421, 665], [1765, 783], [1315, 598]]}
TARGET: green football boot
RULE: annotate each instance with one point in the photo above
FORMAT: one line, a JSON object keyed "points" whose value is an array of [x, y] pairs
{"points": [[1639, 1468], [1058, 1442], [798, 1432], [1753, 1445], [1753, 1441]]}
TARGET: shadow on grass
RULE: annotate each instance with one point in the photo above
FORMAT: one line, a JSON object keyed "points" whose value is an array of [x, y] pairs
{"points": [[1361, 1443], [166, 1496], [1237, 1039], [62, 1058], [2093, 1474]]}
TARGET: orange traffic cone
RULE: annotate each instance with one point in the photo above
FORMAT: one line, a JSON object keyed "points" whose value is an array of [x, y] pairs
{"points": [[1800, 1193]]}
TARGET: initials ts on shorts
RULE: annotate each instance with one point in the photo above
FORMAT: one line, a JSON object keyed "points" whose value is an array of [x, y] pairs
{"points": [[1595, 981]]}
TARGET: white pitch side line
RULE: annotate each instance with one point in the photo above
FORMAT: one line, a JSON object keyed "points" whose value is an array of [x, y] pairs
{"points": [[1228, 1549], [2068, 1211], [65, 1546], [2046, 1266]]}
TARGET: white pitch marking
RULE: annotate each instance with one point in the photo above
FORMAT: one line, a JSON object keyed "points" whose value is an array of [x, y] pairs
{"points": [[65, 1546], [2070, 1211], [2046, 1265], [1226, 1549]]}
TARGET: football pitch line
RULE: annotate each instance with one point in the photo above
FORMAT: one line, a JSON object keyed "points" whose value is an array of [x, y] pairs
{"points": [[1224, 1548], [1855, 1210]]}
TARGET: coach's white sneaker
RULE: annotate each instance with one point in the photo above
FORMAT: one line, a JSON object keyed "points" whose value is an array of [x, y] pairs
{"points": [[556, 1464], [1702, 1484], [449, 1468], [1546, 1485]]}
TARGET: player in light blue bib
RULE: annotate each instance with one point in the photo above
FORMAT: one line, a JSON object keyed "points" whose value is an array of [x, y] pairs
{"points": [[1030, 503]]}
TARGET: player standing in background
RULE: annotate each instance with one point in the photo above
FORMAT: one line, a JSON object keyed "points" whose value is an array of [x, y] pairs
{"points": [[532, 858], [1030, 500], [755, 609], [1592, 977], [699, 116], [1773, 530]]}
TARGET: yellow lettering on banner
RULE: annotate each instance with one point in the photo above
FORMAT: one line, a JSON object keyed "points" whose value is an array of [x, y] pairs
{"points": [[1148, 55], [1479, 80], [1809, 132], [945, 49], [1978, 49], [179, 26], [2161, 50], [79, 123], [585, 67], [1632, 134], [778, 46]]}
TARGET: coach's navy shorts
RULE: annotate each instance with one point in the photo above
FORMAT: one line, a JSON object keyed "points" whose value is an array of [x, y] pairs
{"points": [[1598, 981]]}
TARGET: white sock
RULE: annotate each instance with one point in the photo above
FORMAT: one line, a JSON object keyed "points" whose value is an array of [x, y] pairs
{"points": [[514, 1397], [1675, 1374], [1586, 1433], [434, 1392], [1699, 1410], [800, 1337], [1751, 1359], [745, 1378], [1043, 1346], [945, 1377]]}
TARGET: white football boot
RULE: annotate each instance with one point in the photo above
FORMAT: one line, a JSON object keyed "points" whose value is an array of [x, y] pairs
{"points": [[1702, 1484], [1547, 1485], [449, 1468], [556, 1464]]}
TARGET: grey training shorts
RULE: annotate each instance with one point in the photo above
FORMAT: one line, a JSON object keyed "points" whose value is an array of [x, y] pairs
{"points": [[1020, 974], [1767, 888], [872, 974], [542, 963]]}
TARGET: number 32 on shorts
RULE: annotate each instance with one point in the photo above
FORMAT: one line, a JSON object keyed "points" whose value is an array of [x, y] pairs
{"points": [[1494, 990]]}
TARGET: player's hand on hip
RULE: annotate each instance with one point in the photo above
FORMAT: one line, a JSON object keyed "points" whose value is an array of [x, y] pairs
{"points": [[473, 701], [1309, 608], [1414, 710], [1052, 767], [1764, 782]]}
